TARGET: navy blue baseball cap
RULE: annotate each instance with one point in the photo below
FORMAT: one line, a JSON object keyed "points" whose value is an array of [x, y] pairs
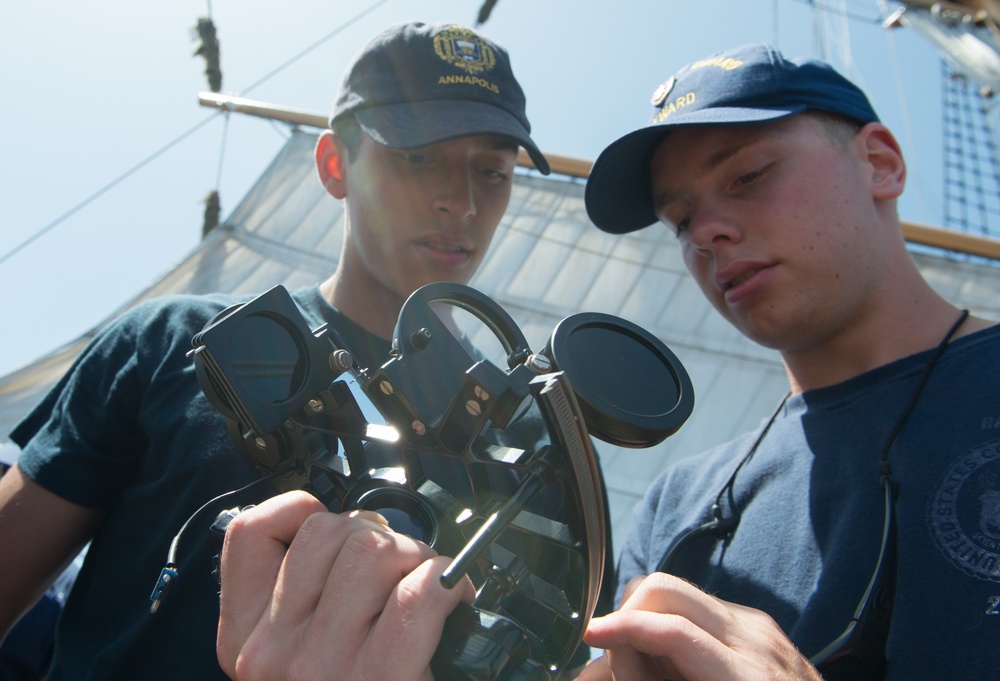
{"points": [[741, 86], [417, 84]]}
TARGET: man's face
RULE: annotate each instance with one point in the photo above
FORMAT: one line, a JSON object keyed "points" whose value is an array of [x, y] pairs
{"points": [[775, 224], [423, 215]]}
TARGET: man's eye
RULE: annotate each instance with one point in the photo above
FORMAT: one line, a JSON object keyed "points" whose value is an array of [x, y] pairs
{"points": [[674, 215], [493, 174], [752, 176], [412, 157], [678, 226]]}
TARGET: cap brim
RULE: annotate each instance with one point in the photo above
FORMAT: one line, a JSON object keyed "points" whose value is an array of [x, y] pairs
{"points": [[419, 124], [619, 192]]}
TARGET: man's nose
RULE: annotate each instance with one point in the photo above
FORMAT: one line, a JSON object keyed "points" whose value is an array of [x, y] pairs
{"points": [[456, 194], [711, 227]]}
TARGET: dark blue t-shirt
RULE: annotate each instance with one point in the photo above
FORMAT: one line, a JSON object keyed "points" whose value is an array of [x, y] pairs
{"points": [[128, 431], [812, 513]]}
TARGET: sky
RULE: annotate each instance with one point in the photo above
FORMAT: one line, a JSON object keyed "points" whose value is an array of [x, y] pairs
{"points": [[106, 155]]}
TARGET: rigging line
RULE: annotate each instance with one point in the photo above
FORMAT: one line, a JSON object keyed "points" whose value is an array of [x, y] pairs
{"points": [[222, 151], [103, 190], [774, 23], [131, 171], [240, 233], [911, 144], [357, 17], [846, 13]]}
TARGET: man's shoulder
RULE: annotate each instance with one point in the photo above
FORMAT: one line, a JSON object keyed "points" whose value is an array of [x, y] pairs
{"points": [[166, 309], [183, 305], [156, 326], [694, 475], [207, 305]]}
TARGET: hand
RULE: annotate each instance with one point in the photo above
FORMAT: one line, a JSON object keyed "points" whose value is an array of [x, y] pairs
{"points": [[668, 628], [308, 594]]}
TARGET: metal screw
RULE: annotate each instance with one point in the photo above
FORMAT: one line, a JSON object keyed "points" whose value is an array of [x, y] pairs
{"points": [[341, 360], [539, 363], [474, 407], [481, 394], [316, 405], [261, 443], [386, 387], [418, 427], [420, 339]]}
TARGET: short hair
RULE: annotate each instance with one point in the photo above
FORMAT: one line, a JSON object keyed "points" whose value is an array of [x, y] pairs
{"points": [[349, 133], [838, 129]]}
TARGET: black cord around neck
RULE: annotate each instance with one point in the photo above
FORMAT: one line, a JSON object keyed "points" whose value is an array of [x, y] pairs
{"points": [[883, 463], [723, 527], [716, 509], [719, 525]]}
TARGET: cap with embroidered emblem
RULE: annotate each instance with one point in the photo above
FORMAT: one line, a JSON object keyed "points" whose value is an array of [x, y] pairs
{"points": [[417, 84], [744, 85]]}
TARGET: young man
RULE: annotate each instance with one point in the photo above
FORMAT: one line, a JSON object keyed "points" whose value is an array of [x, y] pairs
{"points": [[881, 466], [126, 447], [883, 462]]}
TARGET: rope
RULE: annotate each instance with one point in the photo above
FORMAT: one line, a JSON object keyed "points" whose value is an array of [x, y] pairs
{"points": [[912, 165], [156, 154]]}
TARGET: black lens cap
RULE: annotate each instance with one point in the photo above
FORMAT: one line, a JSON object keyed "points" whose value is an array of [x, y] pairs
{"points": [[632, 390]]}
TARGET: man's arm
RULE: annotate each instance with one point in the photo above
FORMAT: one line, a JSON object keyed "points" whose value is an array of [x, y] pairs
{"points": [[311, 594], [40, 533], [669, 628]]}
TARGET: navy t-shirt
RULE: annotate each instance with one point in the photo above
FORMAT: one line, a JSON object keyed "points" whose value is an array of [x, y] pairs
{"points": [[128, 431], [812, 513]]}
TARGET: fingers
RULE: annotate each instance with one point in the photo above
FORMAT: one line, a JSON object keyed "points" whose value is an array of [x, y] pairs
{"points": [[649, 645], [658, 593], [630, 588], [331, 624], [597, 670], [276, 561], [252, 555], [375, 561], [327, 547], [414, 616], [663, 593], [643, 669], [668, 628], [306, 591]]}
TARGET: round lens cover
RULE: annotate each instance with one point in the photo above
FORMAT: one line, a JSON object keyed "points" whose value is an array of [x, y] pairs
{"points": [[632, 390]]}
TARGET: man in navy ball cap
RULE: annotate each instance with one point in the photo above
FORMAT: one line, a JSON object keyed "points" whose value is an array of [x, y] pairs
{"points": [[747, 85], [418, 84], [844, 536], [849, 534], [422, 149]]}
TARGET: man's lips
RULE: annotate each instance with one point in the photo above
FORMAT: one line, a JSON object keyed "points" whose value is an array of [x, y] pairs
{"points": [[445, 253], [740, 280], [736, 281], [451, 248]]}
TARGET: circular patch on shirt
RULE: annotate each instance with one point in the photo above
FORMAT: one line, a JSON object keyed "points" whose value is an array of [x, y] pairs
{"points": [[965, 513]]}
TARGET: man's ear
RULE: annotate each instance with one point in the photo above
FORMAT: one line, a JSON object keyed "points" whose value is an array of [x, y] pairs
{"points": [[888, 169], [330, 158]]}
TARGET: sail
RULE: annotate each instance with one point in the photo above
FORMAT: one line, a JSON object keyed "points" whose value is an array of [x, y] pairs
{"points": [[546, 262]]}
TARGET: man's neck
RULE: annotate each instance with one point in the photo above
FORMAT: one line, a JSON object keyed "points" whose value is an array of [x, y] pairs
{"points": [[880, 337], [370, 307]]}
